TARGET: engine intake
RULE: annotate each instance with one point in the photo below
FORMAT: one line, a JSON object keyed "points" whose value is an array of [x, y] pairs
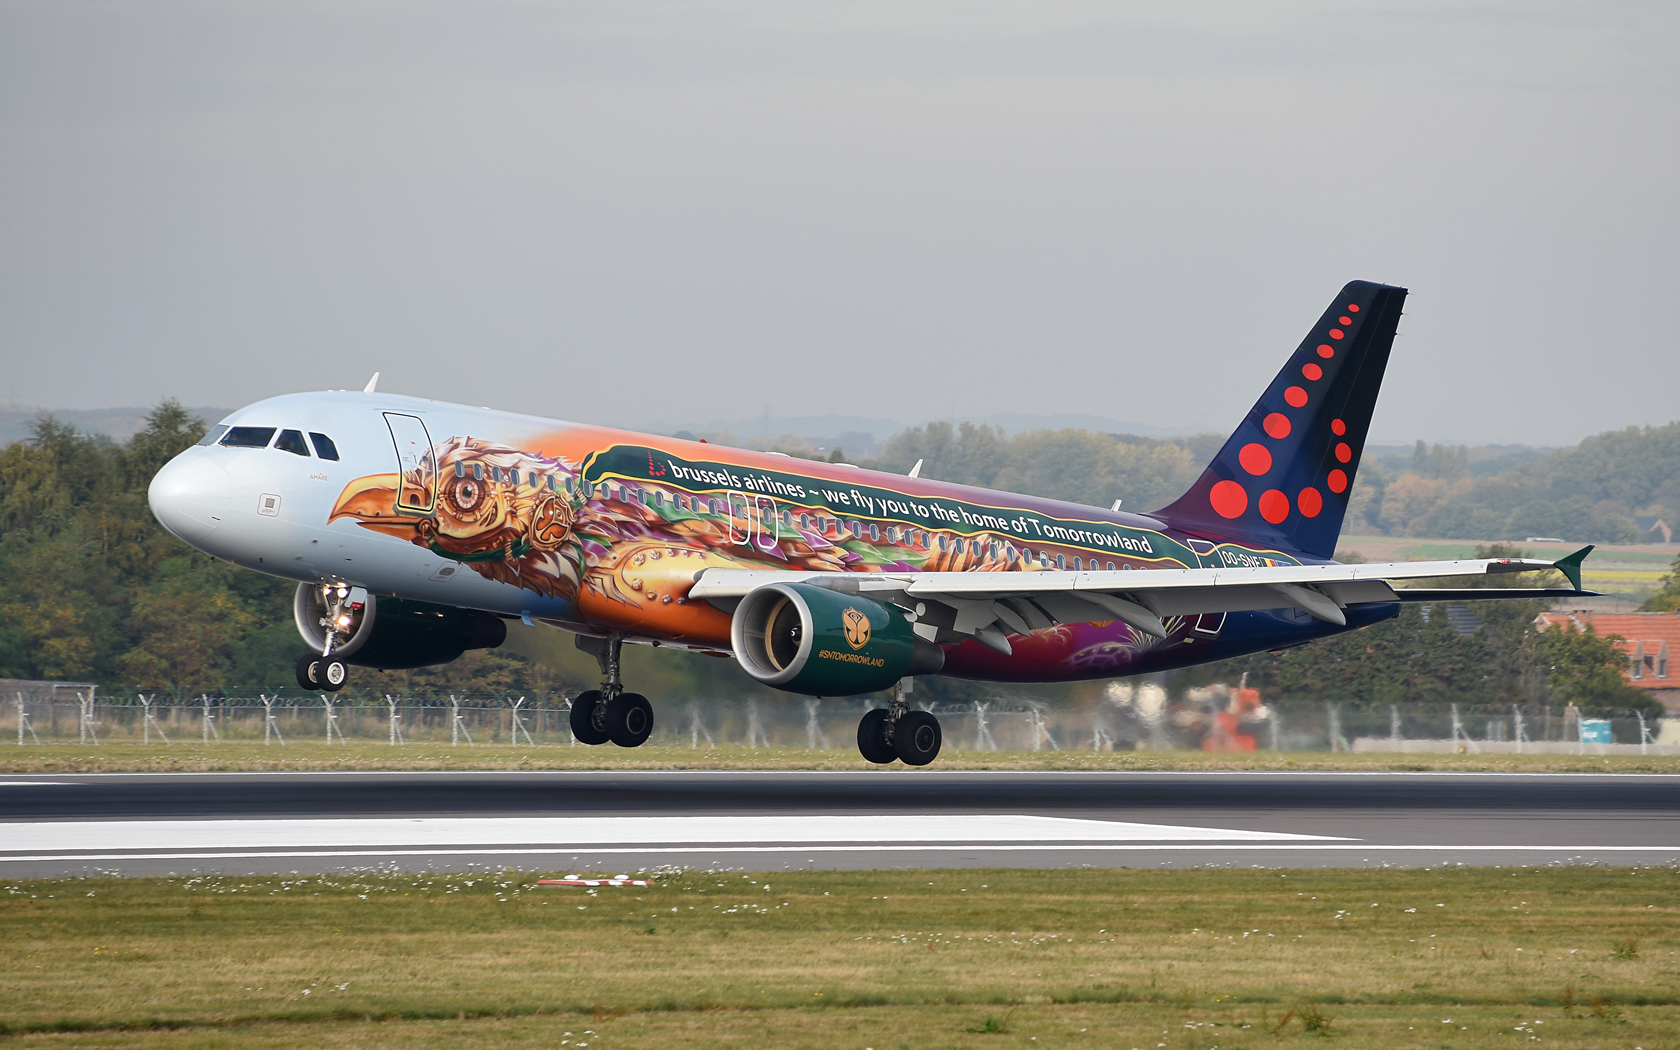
{"points": [[393, 634], [811, 640]]}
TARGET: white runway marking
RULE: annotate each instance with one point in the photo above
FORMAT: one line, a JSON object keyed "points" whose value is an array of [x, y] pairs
{"points": [[711, 832]]}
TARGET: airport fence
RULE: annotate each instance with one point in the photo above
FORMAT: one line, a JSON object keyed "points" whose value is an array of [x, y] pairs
{"points": [[1206, 719]]}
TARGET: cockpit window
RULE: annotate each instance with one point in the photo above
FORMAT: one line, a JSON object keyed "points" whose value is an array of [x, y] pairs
{"points": [[214, 434], [248, 437], [292, 441], [324, 446]]}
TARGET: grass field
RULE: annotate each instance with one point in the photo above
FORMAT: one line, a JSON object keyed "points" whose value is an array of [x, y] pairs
{"points": [[315, 755], [1460, 957]]}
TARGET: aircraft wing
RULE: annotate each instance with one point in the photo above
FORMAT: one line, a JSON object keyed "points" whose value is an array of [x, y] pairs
{"points": [[991, 605]]}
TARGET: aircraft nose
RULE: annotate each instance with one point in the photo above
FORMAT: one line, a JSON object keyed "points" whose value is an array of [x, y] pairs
{"points": [[190, 497]]}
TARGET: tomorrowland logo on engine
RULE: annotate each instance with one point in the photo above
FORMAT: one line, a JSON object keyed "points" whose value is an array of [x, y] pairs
{"points": [[856, 628]]}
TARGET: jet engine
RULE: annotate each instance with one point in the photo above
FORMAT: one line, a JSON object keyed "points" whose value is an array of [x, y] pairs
{"points": [[394, 633], [820, 642]]}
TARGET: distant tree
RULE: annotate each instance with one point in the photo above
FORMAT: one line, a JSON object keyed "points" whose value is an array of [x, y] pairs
{"points": [[1587, 671], [1668, 598]]}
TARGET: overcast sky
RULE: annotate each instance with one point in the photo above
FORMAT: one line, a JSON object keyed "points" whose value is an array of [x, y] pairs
{"points": [[645, 213]]}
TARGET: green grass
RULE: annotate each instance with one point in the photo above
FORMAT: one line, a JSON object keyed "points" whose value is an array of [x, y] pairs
{"points": [[1190, 959], [315, 755]]}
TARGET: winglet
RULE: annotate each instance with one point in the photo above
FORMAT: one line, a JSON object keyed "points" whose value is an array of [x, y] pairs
{"points": [[1570, 565], [915, 471], [373, 384]]}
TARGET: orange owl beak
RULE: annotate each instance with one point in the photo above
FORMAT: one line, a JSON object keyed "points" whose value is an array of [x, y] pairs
{"points": [[372, 501]]}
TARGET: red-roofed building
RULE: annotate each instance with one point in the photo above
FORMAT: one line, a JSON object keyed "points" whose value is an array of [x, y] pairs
{"points": [[1649, 641]]}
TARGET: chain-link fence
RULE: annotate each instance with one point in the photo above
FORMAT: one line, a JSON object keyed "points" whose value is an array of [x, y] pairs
{"points": [[1126, 718]]}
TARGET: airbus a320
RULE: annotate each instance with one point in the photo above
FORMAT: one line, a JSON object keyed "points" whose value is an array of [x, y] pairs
{"points": [[416, 528]]}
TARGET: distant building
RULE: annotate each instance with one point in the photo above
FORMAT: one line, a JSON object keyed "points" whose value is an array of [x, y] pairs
{"points": [[1654, 530], [1649, 639]]}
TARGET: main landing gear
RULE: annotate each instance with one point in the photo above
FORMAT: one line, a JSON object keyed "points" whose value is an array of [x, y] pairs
{"points": [[609, 713], [894, 732]]}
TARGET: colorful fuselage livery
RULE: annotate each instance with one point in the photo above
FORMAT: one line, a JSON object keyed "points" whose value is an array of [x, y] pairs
{"points": [[438, 508]]}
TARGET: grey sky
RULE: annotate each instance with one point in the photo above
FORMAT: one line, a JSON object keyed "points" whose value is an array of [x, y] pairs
{"points": [[645, 213]]}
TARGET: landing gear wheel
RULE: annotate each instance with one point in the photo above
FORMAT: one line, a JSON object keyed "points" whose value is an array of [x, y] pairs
{"points": [[583, 718], [917, 738], [872, 738], [629, 719], [309, 671], [333, 673]]}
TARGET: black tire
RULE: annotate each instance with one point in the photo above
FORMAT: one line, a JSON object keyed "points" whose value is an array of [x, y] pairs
{"points": [[308, 668], [583, 718], [629, 719], [333, 673], [917, 738], [872, 738]]}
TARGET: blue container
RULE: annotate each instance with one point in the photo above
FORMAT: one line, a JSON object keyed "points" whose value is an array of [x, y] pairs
{"points": [[1596, 731]]}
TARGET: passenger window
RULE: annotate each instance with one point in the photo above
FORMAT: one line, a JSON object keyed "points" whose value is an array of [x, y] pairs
{"points": [[324, 446], [1078, 565], [513, 476], [1061, 561], [292, 441], [1110, 566], [248, 437], [213, 435]]}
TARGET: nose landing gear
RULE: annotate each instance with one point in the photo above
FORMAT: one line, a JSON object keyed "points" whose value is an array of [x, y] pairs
{"points": [[344, 608], [912, 737], [609, 713], [322, 673]]}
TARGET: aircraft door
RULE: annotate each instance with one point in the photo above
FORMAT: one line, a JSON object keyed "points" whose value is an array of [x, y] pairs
{"points": [[1206, 623], [769, 534], [740, 517], [416, 466]]}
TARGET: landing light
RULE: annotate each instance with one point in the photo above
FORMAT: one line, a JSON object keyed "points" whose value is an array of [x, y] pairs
{"points": [[344, 621]]}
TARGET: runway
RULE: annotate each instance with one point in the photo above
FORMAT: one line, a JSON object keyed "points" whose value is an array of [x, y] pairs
{"points": [[248, 823]]}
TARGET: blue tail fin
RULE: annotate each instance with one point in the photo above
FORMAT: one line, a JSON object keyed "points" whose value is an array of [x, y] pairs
{"points": [[1284, 478]]}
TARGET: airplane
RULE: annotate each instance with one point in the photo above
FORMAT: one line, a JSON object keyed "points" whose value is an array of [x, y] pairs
{"points": [[415, 529]]}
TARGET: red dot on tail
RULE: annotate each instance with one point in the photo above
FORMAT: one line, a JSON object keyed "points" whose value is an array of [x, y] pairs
{"points": [[1295, 396], [1309, 502], [1352, 309], [1336, 333], [1312, 372], [1338, 481], [1326, 351], [1274, 506], [1256, 459], [1344, 321], [1277, 425], [1338, 427], [1228, 498], [1344, 453]]}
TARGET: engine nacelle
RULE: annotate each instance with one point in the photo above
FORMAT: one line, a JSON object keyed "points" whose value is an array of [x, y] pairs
{"points": [[394, 634], [811, 640]]}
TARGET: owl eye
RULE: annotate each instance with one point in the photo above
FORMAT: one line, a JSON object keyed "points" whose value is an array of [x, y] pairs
{"points": [[465, 494]]}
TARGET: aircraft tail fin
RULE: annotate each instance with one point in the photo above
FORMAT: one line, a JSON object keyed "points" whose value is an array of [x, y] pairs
{"points": [[1285, 476]]}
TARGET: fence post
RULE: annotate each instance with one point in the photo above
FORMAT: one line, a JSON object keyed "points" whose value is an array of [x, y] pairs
{"points": [[396, 734], [24, 722], [456, 726], [86, 729], [151, 719], [209, 727], [518, 724], [269, 724]]}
